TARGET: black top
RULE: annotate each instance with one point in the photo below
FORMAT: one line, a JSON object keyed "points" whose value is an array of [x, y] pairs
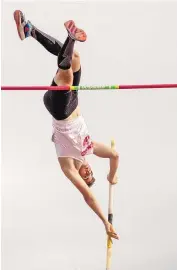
{"points": [[61, 104]]}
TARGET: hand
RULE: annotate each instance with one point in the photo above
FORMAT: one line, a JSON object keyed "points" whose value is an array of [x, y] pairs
{"points": [[110, 231], [113, 180]]}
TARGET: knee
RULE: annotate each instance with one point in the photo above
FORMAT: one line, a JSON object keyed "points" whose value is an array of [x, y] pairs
{"points": [[75, 61], [64, 77], [76, 55]]}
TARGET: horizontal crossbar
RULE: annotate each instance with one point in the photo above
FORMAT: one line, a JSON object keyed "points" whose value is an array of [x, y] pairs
{"points": [[97, 87]]}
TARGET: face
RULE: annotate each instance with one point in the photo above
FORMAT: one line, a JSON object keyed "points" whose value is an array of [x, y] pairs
{"points": [[86, 173]]}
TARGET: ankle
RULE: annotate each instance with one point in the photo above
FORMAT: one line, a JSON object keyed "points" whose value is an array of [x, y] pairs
{"points": [[28, 29]]}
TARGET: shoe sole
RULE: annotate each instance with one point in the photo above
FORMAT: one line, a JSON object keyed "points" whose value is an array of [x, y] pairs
{"points": [[20, 27], [75, 32]]}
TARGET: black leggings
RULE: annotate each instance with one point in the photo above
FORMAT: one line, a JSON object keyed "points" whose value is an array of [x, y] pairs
{"points": [[53, 46], [76, 78], [61, 104]]}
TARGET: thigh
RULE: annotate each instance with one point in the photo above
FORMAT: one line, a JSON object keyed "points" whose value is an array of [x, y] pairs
{"points": [[64, 77], [77, 77], [75, 62]]}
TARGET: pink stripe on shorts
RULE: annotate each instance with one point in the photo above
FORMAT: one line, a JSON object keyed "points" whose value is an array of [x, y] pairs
{"points": [[72, 139]]}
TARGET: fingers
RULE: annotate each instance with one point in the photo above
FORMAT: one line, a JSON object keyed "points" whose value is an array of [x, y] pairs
{"points": [[113, 235], [112, 181]]}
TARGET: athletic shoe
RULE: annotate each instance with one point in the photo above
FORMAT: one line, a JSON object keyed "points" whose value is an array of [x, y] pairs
{"points": [[74, 32], [24, 28]]}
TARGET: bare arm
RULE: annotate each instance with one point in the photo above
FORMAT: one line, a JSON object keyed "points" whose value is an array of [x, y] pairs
{"points": [[75, 178], [103, 151]]}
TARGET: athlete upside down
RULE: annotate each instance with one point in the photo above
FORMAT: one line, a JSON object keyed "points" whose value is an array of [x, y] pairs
{"points": [[70, 134]]}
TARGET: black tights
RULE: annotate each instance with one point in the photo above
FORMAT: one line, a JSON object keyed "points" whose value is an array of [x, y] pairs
{"points": [[63, 51], [50, 44]]}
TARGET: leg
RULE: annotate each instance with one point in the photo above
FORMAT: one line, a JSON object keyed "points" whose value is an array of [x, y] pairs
{"points": [[50, 44], [26, 29], [76, 65], [69, 62], [61, 104]]}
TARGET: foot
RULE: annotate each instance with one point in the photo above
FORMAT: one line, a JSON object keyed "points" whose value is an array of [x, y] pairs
{"points": [[24, 28], [74, 32]]}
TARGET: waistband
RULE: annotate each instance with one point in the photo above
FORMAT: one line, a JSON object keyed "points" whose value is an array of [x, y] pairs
{"points": [[67, 123]]}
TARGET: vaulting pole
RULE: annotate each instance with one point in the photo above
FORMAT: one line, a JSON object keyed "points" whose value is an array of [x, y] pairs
{"points": [[110, 219]]}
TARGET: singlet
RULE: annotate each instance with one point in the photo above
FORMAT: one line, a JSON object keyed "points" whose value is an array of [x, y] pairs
{"points": [[61, 104]]}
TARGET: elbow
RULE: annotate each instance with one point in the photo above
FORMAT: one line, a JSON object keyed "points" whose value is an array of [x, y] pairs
{"points": [[115, 155]]}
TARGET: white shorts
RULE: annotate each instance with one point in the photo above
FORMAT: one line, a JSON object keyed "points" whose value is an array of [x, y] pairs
{"points": [[72, 139]]}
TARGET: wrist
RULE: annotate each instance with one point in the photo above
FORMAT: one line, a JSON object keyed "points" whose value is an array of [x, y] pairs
{"points": [[105, 221]]}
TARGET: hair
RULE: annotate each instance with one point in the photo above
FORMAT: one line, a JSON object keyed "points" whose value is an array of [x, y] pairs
{"points": [[92, 182]]}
